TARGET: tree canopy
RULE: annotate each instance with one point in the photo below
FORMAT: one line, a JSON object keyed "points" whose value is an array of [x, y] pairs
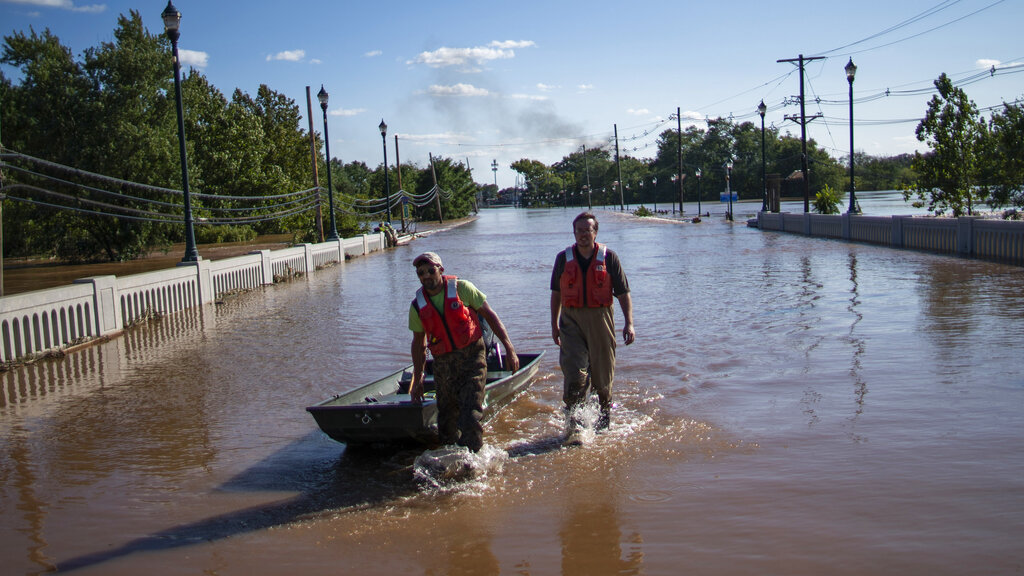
{"points": [[106, 123]]}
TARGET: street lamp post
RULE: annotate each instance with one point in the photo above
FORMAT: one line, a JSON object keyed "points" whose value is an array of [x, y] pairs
{"points": [[172, 20], [322, 96], [697, 174], [728, 187], [387, 181], [654, 186], [761, 109], [675, 178], [851, 71]]}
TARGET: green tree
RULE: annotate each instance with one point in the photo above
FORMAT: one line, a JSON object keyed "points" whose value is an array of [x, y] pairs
{"points": [[284, 154], [536, 175], [104, 116], [955, 132], [884, 173], [1006, 157], [457, 190]]}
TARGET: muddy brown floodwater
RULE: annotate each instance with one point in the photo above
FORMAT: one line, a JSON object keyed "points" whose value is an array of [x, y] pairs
{"points": [[791, 406]]}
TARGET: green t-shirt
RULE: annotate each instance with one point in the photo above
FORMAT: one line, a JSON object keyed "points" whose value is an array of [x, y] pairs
{"points": [[468, 293]]}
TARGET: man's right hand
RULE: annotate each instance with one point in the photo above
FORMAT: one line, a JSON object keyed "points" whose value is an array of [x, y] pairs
{"points": [[416, 391]]}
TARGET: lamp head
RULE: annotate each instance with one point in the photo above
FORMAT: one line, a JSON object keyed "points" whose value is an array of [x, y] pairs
{"points": [[761, 109], [383, 128], [323, 96], [851, 70], [172, 19]]}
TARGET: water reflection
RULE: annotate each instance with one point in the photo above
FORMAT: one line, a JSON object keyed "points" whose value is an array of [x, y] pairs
{"points": [[323, 480], [857, 343], [98, 364], [592, 541]]}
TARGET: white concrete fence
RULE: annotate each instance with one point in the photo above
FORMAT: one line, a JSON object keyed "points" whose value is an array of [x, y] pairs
{"points": [[996, 240], [35, 323]]}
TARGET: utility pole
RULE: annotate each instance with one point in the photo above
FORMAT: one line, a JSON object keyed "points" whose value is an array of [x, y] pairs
{"points": [[494, 168], [622, 202], [586, 164], [437, 190], [803, 127], [476, 196], [316, 175], [398, 167]]}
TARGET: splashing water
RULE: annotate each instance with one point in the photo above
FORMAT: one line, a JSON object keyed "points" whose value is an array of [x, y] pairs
{"points": [[450, 465]]}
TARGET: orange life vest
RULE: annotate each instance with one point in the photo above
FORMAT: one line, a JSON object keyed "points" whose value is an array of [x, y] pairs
{"points": [[598, 282], [456, 328]]}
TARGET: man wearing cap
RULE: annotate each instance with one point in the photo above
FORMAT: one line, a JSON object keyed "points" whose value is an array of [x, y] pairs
{"points": [[587, 276], [444, 317]]}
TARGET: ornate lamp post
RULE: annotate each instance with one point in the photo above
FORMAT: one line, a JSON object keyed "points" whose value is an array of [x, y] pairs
{"points": [[322, 96], [675, 179], [728, 188], [387, 181], [851, 71], [172, 20], [761, 109], [654, 187]]}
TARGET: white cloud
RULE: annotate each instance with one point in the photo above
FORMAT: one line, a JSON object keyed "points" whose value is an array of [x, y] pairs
{"points": [[459, 89], [545, 87], [193, 58], [372, 53], [585, 88], [987, 63], [534, 97], [638, 112], [288, 55], [445, 57], [62, 4], [347, 113], [316, 61], [510, 44]]}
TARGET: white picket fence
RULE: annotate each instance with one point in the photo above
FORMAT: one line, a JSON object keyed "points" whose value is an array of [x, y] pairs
{"points": [[42, 321]]}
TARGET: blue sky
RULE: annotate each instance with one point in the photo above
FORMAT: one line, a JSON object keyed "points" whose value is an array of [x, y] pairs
{"points": [[488, 80]]}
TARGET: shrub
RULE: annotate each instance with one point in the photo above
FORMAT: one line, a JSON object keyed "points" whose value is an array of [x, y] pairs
{"points": [[826, 201]]}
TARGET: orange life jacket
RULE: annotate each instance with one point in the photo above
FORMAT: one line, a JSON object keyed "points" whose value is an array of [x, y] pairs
{"points": [[598, 282], [456, 328]]}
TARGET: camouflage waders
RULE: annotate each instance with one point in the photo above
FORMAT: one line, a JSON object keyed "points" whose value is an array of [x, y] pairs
{"points": [[460, 377]]}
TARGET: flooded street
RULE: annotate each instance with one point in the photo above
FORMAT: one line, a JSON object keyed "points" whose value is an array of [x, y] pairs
{"points": [[791, 406]]}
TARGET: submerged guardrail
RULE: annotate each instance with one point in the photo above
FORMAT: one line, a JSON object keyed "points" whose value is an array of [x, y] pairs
{"points": [[33, 324], [970, 236]]}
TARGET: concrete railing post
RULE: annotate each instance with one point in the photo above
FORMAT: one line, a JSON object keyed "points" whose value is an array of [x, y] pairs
{"points": [[965, 235], [896, 239], [307, 251], [106, 303], [266, 267]]}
